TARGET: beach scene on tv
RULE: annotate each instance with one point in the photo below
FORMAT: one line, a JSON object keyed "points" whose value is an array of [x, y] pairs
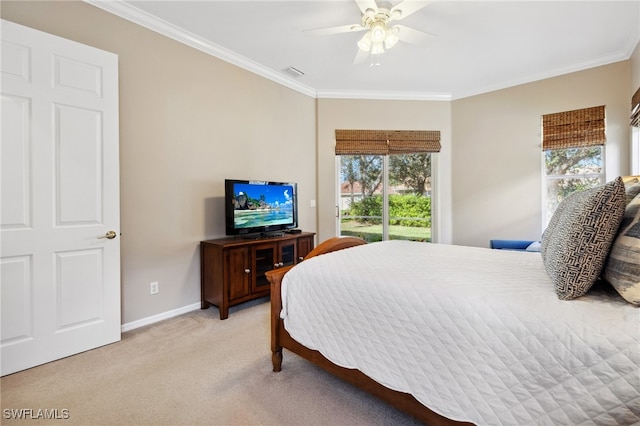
{"points": [[262, 205]]}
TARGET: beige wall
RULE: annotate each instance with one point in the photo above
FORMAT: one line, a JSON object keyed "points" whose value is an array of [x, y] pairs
{"points": [[381, 115], [497, 173], [187, 122]]}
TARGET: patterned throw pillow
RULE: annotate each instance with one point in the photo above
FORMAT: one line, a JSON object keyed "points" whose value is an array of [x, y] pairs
{"points": [[622, 269], [632, 189], [576, 244]]}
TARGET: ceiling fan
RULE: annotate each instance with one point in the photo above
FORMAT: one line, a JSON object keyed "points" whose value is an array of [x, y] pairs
{"points": [[380, 35]]}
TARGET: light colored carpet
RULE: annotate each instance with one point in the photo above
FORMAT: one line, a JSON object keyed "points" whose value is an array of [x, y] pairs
{"points": [[192, 370]]}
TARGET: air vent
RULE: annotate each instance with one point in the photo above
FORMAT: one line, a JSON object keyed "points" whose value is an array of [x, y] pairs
{"points": [[294, 72]]}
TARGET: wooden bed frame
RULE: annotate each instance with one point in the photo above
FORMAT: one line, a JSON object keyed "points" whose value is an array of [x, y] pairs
{"points": [[280, 339]]}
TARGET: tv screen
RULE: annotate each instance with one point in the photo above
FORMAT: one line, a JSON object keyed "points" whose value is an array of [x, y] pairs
{"points": [[259, 207]]}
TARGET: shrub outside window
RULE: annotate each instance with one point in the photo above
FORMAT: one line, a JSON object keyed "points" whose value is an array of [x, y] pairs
{"points": [[385, 197]]}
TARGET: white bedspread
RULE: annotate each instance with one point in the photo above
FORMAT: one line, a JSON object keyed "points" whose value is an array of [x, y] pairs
{"points": [[474, 334]]}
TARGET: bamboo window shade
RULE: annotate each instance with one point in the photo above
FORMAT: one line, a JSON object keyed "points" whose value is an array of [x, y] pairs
{"points": [[635, 109], [385, 142], [574, 129]]}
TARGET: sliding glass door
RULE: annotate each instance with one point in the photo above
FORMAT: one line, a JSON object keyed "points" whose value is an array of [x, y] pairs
{"points": [[383, 197]]}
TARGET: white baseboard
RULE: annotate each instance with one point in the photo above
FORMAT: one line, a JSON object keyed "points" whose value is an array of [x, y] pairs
{"points": [[159, 317]]}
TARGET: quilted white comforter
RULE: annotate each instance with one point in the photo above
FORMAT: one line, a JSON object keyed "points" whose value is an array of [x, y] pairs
{"points": [[472, 333]]}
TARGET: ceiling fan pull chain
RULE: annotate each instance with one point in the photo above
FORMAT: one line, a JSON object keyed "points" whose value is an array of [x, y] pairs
{"points": [[375, 60]]}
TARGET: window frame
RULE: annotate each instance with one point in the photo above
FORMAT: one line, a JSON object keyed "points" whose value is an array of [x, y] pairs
{"points": [[635, 133], [635, 150], [385, 214], [546, 216], [385, 143]]}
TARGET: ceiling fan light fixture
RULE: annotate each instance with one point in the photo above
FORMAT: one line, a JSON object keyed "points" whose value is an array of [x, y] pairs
{"points": [[379, 35], [378, 32], [365, 42], [378, 38], [391, 38]]}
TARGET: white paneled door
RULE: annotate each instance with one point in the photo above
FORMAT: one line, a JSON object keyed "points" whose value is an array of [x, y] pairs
{"points": [[59, 211]]}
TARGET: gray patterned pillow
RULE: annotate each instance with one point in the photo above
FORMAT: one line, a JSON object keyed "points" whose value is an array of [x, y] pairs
{"points": [[632, 189], [622, 269], [576, 247]]}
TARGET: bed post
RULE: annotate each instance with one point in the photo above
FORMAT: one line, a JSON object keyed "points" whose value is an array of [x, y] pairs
{"points": [[275, 278]]}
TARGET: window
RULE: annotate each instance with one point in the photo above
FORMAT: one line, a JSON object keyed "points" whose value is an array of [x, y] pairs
{"points": [[385, 184], [573, 153], [635, 150], [571, 170], [635, 133]]}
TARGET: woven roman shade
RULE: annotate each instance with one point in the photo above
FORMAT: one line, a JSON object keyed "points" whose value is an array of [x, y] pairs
{"points": [[574, 129], [385, 142], [635, 109]]}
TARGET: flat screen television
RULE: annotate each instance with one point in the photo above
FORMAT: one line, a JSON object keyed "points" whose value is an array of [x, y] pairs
{"points": [[259, 208]]}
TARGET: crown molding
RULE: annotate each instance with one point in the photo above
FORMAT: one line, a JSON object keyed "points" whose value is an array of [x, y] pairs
{"points": [[398, 96], [583, 66], [137, 16]]}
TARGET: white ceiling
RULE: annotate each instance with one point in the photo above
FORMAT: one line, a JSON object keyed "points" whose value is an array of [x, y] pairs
{"points": [[479, 46]]}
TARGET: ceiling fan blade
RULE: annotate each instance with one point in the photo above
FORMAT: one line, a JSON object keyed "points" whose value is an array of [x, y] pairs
{"points": [[364, 5], [415, 37], [361, 56], [336, 30], [406, 8]]}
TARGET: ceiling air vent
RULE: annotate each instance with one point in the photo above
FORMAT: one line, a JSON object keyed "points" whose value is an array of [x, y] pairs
{"points": [[294, 72]]}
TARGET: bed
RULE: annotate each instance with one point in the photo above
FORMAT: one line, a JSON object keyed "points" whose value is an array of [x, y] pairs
{"points": [[468, 335]]}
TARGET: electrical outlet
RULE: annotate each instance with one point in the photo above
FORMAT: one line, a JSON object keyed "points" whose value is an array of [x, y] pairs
{"points": [[153, 287]]}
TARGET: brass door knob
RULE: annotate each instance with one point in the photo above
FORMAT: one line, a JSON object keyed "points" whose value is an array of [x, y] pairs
{"points": [[110, 235]]}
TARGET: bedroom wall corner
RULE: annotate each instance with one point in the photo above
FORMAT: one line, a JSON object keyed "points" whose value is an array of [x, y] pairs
{"points": [[497, 167]]}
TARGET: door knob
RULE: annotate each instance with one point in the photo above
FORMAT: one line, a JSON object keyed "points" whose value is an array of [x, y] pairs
{"points": [[110, 235]]}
